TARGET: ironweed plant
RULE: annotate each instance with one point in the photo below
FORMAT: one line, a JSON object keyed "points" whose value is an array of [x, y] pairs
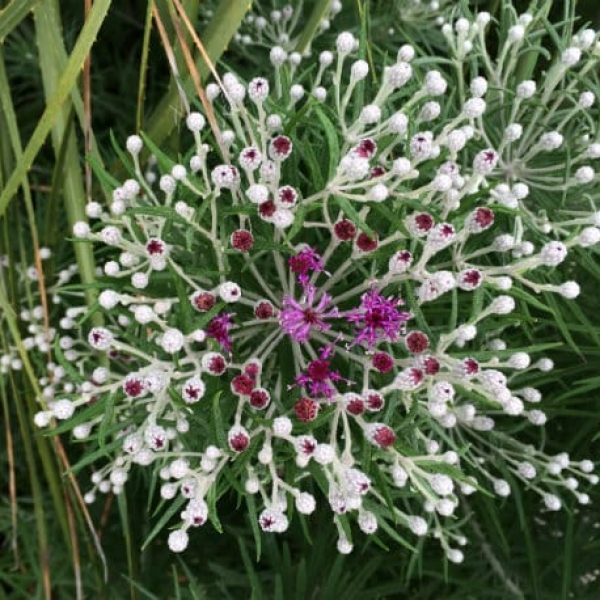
{"points": [[314, 303]]}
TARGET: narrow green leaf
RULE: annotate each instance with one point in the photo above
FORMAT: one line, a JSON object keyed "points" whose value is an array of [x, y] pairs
{"points": [[173, 508], [12, 15], [68, 80]]}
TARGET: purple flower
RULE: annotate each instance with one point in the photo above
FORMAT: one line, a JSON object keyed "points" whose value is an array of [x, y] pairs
{"points": [[319, 376], [377, 318], [304, 263], [298, 318], [218, 329]]}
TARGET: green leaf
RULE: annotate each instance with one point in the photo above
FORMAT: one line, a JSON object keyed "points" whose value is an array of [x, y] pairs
{"points": [[67, 81], [331, 137], [319, 12], [175, 505], [12, 15]]}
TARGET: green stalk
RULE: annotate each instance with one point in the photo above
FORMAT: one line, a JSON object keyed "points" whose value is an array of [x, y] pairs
{"points": [[34, 482], [49, 39], [310, 29], [139, 112]]}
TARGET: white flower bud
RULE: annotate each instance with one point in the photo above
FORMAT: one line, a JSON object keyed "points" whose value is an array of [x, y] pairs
{"points": [[359, 70], [305, 503], [134, 144], [516, 33], [479, 87], [474, 107], [252, 485], [397, 75], [326, 58], [282, 427], [586, 99], [552, 502], [526, 470], [526, 89], [545, 364], [63, 409], [551, 140], [42, 418], [378, 193], [195, 122], [553, 253], [513, 132], [277, 56], [296, 92], [367, 522], [320, 93], [501, 488], [519, 360], [345, 43], [584, 174], [230, 292], [178, 540], [537, 417], [502, 305], [405, 53], [108, 299], [569, 289], [483, 18], [81, 229], [344, 546], [398, 123], [324, 454], [370, 114], [435, 84], [172, 340], [167, 184], [571, 56], [441, 484]]}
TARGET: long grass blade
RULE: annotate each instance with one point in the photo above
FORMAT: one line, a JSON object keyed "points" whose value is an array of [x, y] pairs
{"points": [[13, 14], [55, 103]]}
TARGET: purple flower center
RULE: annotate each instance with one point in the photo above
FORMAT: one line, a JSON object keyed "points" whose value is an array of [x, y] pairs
{"points": [[299, 318], [377, 318]]}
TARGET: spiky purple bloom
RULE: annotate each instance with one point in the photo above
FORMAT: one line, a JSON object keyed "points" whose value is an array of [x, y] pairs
{"points": [[218, 329], [319, 377], [305, 262], [377, 318], [298, 318]]}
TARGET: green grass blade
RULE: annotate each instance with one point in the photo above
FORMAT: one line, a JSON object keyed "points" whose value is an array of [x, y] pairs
{"points": [[12, 15], [318, 13], [55, 103]]}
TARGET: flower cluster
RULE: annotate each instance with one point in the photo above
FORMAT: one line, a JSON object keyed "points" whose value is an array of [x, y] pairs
{"points": [[317, 301], [40, 335], [280, 29]]}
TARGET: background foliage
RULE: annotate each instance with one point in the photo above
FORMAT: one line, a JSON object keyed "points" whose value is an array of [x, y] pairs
{"points": [[51, 117]]}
